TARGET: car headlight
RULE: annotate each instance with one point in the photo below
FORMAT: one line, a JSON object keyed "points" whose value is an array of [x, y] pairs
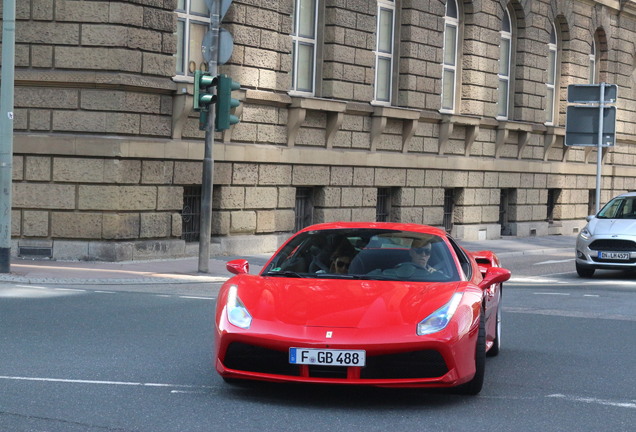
{"points": [[237, 314], [585, 233], [439, 319]]}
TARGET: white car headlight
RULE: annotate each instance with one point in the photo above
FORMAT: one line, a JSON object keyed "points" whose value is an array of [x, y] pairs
{"points": [[585, 233], [237, 314], [439, 319]]}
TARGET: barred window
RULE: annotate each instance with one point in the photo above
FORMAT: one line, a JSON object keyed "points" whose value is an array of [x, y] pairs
{"points": [[304, 208]]}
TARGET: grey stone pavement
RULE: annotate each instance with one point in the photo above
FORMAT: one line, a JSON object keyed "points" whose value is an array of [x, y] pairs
{"points": [[185, 270]]}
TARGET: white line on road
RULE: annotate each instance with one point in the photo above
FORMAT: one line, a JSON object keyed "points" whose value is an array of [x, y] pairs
{"points": [[118, 383], [196, 298], [596, 401], [552, 293], [554, 261]]}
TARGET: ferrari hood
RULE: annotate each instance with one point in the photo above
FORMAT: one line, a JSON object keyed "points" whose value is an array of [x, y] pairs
{"points": [[342, 303], [612, 226]]}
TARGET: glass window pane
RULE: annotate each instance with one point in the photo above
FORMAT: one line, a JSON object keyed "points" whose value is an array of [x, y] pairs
{"points": [[505, 24], [198, 7], [448, 91], [450, 37], [307, 18], [383, 83], [504, 57], [502, 103], [551, 66], [549, 105], [305, 71], [385, 31], [197, 31], [180, 47], [181, 5], [451, 9]]}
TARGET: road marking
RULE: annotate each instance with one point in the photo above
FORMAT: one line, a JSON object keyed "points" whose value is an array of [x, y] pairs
{"points": [[589, 400], [105, 292], [554, 261], [591, 295], [196, 298], [552, 293], [117, 383]]}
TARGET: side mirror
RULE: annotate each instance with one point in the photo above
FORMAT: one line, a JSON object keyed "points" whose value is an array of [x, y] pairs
{"points": [[494, 275], [238, 266], [589, 218]]}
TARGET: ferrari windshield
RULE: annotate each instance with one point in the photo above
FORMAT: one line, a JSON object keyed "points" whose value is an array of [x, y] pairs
{"points": [[365, 253], [619, 208]]}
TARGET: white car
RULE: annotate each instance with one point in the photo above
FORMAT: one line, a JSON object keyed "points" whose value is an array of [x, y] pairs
{"points": [[608, 241]]}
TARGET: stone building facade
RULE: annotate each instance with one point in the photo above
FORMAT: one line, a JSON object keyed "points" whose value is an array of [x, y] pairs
{"points": [[361, 110]]}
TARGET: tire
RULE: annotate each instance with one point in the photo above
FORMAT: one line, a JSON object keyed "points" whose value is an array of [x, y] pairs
{"points": [[496, 344], [474, 386], [584, 272]]}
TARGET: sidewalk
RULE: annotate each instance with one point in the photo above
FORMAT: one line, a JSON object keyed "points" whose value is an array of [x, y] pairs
{"points": [[185, 270]]}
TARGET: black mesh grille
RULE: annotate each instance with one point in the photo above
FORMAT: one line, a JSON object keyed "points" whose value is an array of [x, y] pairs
{"points": [[416, 364], [613, 245], [251, 358]]}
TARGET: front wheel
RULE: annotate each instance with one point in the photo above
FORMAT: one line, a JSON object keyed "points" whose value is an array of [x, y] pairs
{"points": [[584, 272], [475, 385], [496, 343]]}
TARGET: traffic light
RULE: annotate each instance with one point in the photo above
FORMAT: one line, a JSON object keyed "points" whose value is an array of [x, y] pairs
{"points": [[225, 102], [203, 97]]}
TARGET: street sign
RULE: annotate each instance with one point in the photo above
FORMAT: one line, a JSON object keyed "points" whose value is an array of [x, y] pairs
{"points": [[591, 93], [226, 45], [582, 126]]}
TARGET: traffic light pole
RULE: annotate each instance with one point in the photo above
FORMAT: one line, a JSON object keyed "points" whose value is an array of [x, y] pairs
{"points": [[6, 131], [207, 181]]}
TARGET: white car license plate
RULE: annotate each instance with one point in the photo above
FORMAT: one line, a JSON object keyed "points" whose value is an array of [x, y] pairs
{"points": [[614, 255], [327, 357]]}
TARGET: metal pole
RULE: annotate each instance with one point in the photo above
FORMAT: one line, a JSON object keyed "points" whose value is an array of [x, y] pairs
{"points": [[6, 131], [599, 148], [207, 181]]}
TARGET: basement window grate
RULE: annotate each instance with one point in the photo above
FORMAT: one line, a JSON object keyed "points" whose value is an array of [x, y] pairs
{"points": [[191, 213], [35, 252]]}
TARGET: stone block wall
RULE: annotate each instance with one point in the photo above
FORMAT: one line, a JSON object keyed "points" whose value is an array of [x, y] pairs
{"points": [[106, 140]]}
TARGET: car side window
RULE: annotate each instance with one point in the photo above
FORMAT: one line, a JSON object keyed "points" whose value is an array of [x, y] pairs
{"points": [[464, 262]]}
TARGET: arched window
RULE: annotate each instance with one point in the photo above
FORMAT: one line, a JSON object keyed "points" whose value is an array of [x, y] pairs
{"points": [[551, 82], [304, 46], [505, 56], [594, 63], [449, 64], [384, 51]]}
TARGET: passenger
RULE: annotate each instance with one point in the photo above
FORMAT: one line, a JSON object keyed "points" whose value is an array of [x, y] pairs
{"points": [[340, 265], [341, 257]]}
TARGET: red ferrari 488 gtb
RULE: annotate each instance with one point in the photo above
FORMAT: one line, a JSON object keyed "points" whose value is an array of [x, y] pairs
{"points": [[380, 304]]}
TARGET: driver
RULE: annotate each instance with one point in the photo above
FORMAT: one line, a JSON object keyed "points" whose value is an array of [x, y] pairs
{"points": [[420, 254], [415, 269]]}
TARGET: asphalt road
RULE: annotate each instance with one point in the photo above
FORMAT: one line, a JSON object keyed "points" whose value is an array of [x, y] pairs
{"points": [[139, 358]]}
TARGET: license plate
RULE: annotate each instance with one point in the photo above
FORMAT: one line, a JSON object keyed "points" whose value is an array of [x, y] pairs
{"points": [[614, 255], [327, 357]]}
